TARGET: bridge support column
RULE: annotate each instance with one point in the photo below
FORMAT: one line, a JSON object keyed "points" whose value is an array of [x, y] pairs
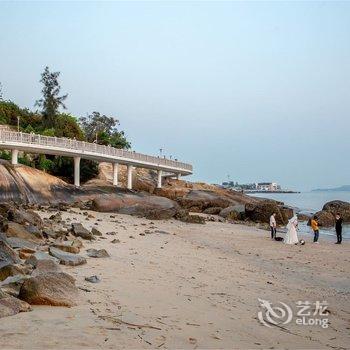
{"points": [[178, 176], [14, 158], [77, 171], [115, 174], [129, 184], [159, 179]]}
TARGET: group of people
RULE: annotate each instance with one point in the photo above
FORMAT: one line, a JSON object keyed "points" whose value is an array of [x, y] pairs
{"points": [[292, 229]]}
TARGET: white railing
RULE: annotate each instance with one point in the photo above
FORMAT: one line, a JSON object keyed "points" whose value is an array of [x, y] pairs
{"points": [[82, 146]]}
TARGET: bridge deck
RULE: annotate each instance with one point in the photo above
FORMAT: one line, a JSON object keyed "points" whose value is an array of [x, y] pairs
{"points": [[34, 143]]}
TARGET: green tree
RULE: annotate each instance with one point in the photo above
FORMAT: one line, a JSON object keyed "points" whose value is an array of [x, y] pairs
{"points": [[51, 100], [104, 129]]}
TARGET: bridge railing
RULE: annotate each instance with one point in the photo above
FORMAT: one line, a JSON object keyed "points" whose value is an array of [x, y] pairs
{"points": [[61, 142]]}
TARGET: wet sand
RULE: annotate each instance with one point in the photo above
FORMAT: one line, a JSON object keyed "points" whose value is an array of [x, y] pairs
{"points": [[190, 286]]}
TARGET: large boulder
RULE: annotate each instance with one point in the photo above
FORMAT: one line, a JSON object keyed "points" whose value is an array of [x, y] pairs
{"points": [[141, 204], [53, 288], [262, 210], [234, 212], [45, 266], [200, 200], [324, 218], [10, 305], [66, 258], [341, 207]]}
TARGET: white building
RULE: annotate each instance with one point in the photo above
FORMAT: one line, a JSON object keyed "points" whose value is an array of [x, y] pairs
{"points": [[267, 186]]}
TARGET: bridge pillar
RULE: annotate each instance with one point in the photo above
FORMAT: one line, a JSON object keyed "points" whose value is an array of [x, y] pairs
{"points": [[115, 174], [77, 171], [159, 179], [14, 158], [178, 176], [129, 184]]}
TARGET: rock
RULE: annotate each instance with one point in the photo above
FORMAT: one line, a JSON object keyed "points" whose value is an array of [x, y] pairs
{"points": [[324, 218], [25, 253], [10, 270], [199, 200], [66, 258], [96, 232], [10, 305], [212, 210], [15, 242], [341, 207], [140, 204], [34, 230], [12, 284], [233, 212], [13, 229], [56, 217], [53, 288], [50, 233], [115, 240], [7, 255], [67, 246], [45, 266], [95, 253], [37, 256], [79, 230], [92, 279], [303, 217], [261, 212], [184, 216], [22, 217]]}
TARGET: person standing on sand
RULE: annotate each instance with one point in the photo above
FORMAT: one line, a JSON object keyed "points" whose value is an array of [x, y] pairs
{"points": [[338, 228], [315, 228], [292, 235], [273, 225]]}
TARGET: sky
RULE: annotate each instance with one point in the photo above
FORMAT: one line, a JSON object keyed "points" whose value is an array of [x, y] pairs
{"points": [[246, 91]]}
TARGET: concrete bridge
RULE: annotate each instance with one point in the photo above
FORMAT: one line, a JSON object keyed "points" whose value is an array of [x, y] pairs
{"points": [[34, 143]]}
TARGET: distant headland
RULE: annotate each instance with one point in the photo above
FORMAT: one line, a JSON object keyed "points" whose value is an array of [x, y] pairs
{"points": [[344, 188]]}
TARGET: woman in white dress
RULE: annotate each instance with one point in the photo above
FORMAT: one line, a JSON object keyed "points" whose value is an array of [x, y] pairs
{"points": [[291, 235]]}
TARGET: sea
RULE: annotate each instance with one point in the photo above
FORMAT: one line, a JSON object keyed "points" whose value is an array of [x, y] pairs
{"points": [[311, 202]]}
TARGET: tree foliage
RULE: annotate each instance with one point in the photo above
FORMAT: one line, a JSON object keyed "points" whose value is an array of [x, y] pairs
{"points": [[50, 122], [51, 100], [103, 129]]}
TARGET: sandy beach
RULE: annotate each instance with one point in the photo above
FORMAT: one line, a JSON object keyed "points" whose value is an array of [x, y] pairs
{"points": [[169, 284]]}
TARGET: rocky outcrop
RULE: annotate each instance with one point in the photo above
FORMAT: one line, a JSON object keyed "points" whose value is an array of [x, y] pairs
{"points": [[341, 207], [53, 288], [141, 204], [324, 218], [233, 212], [261, 212]]}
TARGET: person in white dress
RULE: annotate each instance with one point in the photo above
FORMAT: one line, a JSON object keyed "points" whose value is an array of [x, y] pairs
{"points": [[291, 235]]}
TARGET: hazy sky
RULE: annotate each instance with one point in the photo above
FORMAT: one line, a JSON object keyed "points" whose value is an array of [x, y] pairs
{"points": [[259, 91]]}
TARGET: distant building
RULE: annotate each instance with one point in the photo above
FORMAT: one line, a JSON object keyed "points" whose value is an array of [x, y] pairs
{"points": [[267, 186]]}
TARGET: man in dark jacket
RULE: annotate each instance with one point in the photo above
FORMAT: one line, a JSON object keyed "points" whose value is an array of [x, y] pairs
{"points": [[338, 228]]}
